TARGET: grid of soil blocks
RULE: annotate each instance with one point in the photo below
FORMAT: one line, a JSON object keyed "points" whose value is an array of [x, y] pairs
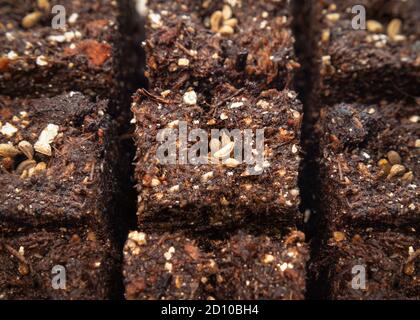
{"points": [[218, 65], [206, 225], [370, 164], [58, 148]]}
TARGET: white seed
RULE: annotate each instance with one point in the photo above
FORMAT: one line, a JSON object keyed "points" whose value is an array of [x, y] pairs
{"points": [[174, 189], [8, 130], [173, 124], [207, 176], [168, 266], [43, 148], [225, 151], [41, 61], [394, 28], [190, 97], [227, 12], [214, 145], [414, 119], [138, 237], [12, 55], [236, 105], [225, 139], [183, 62], [49, 133], [73, 18], [231, 163], [268, 258], [333, 17], [224, 116], [46, 137]]}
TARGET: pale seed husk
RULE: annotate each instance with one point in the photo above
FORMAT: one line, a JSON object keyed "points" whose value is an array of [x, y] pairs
{"points": [[7, 150], [207, 176], [214, 145], [225, 139], [231, 22], [216, 20], [44, 5], [31, 19], [374, 26], [226, 30], [408, 177], [394, 28], [43, 148], [227, 12], [231, 163], [396, 171], [26, 148], [225, 151]]}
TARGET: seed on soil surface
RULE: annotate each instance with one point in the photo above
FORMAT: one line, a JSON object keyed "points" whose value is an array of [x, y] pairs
{"points": [[7, 150], [25, 165], [183, 62], [226, 30], [325, 37], [231, 22], [394, 157], [225, 151], [44, 5], [396, 170], [408, 177], [26, 148], [8, 130], [231, 163], [190, 97], [374, 26], [333, 17], [385, 166], [46, 137], [216, 20], [31, 19], [227, 12], [394, 28], [207, 176], [43, 148]]}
